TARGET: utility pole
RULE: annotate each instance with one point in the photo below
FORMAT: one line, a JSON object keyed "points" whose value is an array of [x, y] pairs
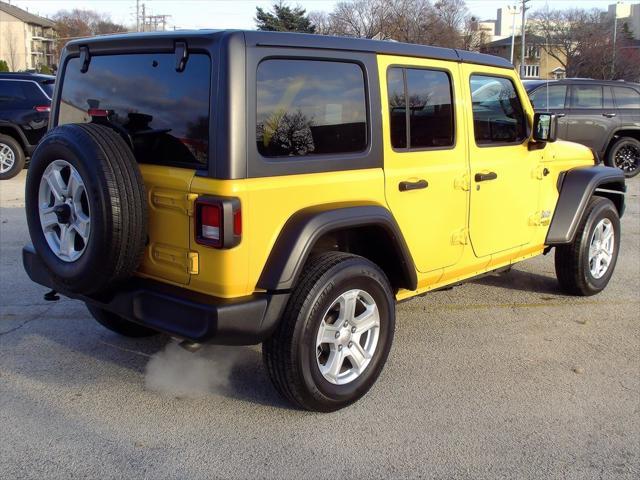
{"points": [[137, 15], [514, 11], [144, 17], [615, 34], [522, 36]]}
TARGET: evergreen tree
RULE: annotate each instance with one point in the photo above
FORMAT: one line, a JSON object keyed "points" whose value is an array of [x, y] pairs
{"points": [[284, 18]]}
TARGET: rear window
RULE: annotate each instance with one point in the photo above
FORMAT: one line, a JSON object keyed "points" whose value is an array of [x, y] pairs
{"points": [[310, 107], [166, 113]]}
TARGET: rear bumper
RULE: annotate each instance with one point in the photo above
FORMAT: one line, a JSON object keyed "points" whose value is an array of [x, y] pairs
{"points": [[176, 311]]}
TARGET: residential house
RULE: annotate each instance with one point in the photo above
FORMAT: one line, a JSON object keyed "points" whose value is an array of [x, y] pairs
{"points": [[538, 63], [26, 40]]}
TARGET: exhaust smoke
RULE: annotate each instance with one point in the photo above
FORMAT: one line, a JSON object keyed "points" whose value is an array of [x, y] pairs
{"points": [[177, 372]]}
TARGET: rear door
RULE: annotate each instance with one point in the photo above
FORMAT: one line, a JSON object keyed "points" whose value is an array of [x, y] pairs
{"points": [[592, 115], [425, 145], [165, 114]]}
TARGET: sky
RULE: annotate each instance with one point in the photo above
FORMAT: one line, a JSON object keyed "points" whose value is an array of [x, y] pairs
{"points": [[241, 13]]}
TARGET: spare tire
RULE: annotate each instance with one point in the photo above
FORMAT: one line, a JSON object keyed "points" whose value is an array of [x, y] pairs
{"points": [[86, 207]]}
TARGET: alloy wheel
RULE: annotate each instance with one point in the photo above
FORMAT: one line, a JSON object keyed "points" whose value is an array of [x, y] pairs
{"points": [[64, 209]]}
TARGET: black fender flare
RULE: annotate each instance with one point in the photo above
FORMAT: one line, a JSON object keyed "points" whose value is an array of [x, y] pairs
{"points": [[22, 138], [304, 228], [576, 187]]}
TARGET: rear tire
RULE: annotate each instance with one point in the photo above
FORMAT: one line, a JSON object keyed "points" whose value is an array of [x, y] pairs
{"points": [[118, 324], [11, 157], [322, 357], [585, 266], [625, 155]]}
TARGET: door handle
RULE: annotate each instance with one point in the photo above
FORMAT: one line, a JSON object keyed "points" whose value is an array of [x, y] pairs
{"points": [[406, 185], [483, 177], [609, 115]]}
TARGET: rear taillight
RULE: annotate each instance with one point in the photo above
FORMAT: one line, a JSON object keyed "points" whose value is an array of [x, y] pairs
{"points": [[98, 112], [42, 108], [218, 221]]}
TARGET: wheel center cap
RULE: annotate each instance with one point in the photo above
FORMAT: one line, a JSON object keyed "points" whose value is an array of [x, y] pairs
{"points": [[63, 212]]}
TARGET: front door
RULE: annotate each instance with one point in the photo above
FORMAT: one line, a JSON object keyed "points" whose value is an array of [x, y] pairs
{"points": [[425, 157], [553, 98], [504, 187]]}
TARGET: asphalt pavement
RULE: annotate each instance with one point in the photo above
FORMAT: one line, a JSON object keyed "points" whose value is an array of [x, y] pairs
{"points": [[502, 377]]}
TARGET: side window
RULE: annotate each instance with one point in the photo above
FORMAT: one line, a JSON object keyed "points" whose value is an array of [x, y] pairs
{"points": [[310, 107], [428, 123], [551, 98], [12, 93], [626, 97], [397, 107], [498, 116], [586, 96]]}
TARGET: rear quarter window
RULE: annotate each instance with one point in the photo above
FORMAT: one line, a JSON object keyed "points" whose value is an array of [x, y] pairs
{"points": [[310, 107], [626, 97], [165, 112]]}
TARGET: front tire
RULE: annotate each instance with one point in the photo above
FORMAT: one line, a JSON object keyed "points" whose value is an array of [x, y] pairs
{"points": [[335, 335], [11, 157], [585, 266], [625, 155]]}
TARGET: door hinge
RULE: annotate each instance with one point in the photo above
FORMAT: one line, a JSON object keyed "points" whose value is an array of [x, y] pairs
{"points": [[541, 172], [191, 200], [462, 183], [460, 237], [194, 263], [541, 218]]}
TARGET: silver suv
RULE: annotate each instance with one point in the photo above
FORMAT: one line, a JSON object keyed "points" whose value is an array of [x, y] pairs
{"points": [[603, 115]]}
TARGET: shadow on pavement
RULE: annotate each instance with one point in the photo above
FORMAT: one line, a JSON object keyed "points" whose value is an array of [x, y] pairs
{"points": [[524, 281]]}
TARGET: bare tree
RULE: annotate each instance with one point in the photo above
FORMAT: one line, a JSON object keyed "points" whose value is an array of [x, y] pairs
{"points": [[473, 38], [13, 54], [569, 35], [412, 21], [83, 23], [582, 42]]}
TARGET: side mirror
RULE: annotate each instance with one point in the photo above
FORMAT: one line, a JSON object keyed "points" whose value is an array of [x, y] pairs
{"points": [[545, 127]]}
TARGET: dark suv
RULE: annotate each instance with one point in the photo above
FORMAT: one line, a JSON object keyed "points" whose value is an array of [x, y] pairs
{"points": [[25, 103], [603, 115]]}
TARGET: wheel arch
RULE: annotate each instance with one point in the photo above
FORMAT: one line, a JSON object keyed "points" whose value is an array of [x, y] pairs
{"points": [[576, 187], [13, 131], [623, 131], [366, 230]]}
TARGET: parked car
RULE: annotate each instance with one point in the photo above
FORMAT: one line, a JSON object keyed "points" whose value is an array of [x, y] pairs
{"points": [[244, 187], [25, 103], [604, 115]]}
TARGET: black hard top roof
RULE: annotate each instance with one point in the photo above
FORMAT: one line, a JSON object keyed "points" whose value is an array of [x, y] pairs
{"points": [[303, 40]]}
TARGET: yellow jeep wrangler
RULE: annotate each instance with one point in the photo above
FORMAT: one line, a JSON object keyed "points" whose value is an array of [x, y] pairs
{"points": [[256, 187]]}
